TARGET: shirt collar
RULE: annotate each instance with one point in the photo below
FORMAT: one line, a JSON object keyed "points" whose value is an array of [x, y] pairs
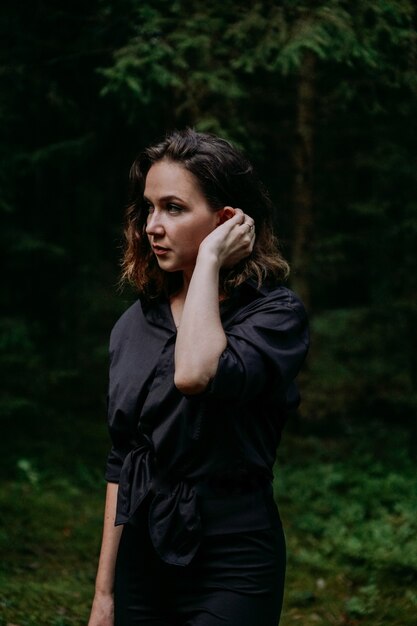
{"points": [[253, 284], [158, 312]]}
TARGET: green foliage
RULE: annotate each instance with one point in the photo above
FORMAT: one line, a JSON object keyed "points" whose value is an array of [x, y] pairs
{"points": [[349, 507], [28, 472], [19, 363], [364, 602], [358, 512], [108, 78], [348, 504], [49, 548], [351, 368], [169, 60]]}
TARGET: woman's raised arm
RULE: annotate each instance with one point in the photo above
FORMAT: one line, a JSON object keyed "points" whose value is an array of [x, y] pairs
{"points": [[201, 338]]}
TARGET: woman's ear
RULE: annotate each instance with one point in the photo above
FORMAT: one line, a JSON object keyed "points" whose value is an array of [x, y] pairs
{"points": [[225, 214]]}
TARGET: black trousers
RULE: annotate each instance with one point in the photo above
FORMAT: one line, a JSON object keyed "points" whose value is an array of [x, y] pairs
{"points": [[235, 579]]}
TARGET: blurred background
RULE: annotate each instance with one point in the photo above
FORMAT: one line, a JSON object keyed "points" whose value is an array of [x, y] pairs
{"points": [[322, 96]]}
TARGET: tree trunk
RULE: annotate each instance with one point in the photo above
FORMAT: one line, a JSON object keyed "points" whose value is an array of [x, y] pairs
{"points": [[303, 178]]}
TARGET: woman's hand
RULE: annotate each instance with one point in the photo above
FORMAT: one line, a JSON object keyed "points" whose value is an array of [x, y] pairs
{"points": [[232, 240], [102, 611]]}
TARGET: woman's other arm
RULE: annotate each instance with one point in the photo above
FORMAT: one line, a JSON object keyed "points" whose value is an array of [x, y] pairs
{"points": [[103, 607]]}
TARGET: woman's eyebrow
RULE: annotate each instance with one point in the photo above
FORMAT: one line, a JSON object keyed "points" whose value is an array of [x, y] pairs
{"points": [[167, 198]]}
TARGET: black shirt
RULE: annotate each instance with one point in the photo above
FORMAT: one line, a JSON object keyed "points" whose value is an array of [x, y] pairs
{"points": [[203, 463]]}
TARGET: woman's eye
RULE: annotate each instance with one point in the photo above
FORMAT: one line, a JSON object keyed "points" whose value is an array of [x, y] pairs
{"points": [[174, 208], [149, 208]]}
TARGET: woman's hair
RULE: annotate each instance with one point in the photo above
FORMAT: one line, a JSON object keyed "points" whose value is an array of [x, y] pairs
{"points": [[226, 178]]}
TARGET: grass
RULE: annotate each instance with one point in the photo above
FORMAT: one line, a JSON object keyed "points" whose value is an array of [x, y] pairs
{"points": [[49, 544], [349, 505], [348, 500]]}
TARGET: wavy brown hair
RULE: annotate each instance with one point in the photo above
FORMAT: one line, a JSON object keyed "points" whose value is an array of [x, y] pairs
{"points": [[226, 178]]}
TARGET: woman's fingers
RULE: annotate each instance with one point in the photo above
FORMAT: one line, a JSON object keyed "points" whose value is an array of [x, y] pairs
{"points": [[240, 240], [233, 239], [239, 218], [244, 223], [249, 225]]}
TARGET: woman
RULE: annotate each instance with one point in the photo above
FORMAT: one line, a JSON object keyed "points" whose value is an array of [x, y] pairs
{"points": [[201, 379]]}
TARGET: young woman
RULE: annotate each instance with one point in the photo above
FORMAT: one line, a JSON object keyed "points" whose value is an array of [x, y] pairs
{"points": [[202, 372]]}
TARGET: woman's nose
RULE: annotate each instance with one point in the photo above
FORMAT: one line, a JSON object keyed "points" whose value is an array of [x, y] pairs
{"points": [[154, 225]]}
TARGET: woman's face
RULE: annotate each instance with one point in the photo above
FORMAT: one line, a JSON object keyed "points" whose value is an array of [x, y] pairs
{"points": [[179, 216]]}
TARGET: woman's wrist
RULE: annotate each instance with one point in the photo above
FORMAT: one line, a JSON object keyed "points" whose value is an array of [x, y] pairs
{"points": [[208, 257], [103, 592], [104, 583]]}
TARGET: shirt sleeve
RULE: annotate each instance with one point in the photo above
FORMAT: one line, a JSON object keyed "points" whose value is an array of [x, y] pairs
{"points": [[266, 347], [115, 458], [113, 467], [119, 409]]}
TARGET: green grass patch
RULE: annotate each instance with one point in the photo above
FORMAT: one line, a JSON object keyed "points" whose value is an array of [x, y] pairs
{"points": [[349, 506], [49, 544], [348, 503]]}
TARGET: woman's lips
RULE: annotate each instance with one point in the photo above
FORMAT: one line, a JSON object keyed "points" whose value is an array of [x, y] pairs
{"points": [[159, 250]]}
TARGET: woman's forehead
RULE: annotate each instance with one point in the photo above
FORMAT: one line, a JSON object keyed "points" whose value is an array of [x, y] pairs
{"points": [[167, 179]]}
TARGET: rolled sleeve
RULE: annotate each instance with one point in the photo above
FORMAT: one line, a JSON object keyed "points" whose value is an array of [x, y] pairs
{"points": [[113, 466], [122, 444], [266, 348]]}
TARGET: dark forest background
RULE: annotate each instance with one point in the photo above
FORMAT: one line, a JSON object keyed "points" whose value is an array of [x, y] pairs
{"points": [[322, 96]]}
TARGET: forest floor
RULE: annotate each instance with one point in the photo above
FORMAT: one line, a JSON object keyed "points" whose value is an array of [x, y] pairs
{"points": [[348, 500]]}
